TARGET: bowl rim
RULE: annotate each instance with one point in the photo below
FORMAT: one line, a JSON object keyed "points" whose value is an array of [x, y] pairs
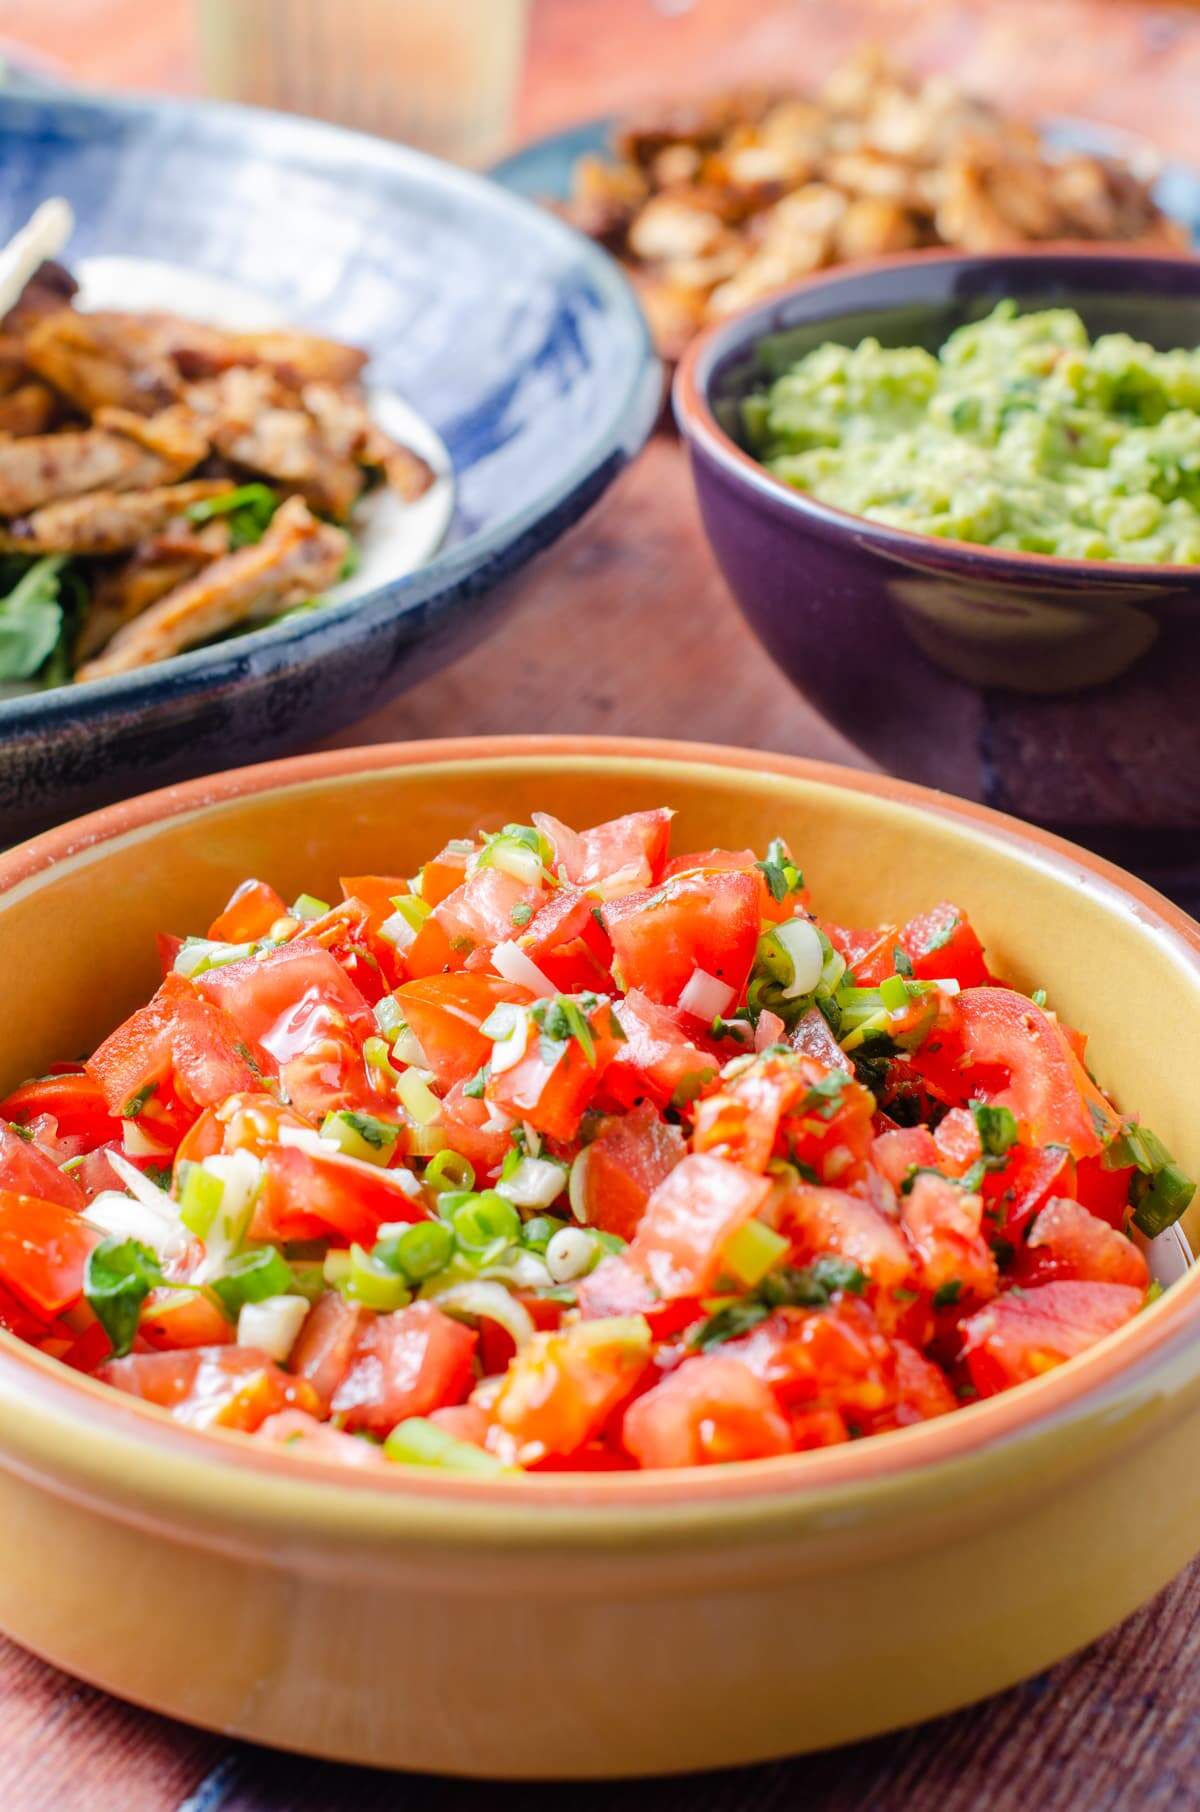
{"points": [[692, 407], [346, 154], [73, 1428]]}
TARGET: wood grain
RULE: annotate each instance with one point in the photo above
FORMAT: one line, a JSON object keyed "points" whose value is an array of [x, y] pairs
{"points": [[626, 626]]}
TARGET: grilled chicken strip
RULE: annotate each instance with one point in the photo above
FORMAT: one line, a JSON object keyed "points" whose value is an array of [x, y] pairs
{"points": [[255, 421], [106, 522], [27, 409], [296, 559], [342, 416], [155, 568], [122, 452], [103, 359]]}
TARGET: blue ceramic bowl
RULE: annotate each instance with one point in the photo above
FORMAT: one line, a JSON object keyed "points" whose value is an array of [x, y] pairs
{"points": [[1062, 691], [518, 340]]}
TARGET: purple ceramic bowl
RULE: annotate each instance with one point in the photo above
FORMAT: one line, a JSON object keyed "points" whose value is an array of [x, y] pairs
{"points": [[1063, 691]]}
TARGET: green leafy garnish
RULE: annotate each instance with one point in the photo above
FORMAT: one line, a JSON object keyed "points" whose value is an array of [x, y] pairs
{"points": [[948, 1294], [562, 1019], [249, 509], [809, 1288], [996, 1126], [136, 1103], [521, 913], [902, 963], [779, 871], [119, 1276], [825, 1097], [31, 619], [1161, 1191]]}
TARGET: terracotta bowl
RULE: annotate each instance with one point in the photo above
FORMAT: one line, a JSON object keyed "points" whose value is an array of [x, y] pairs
{"points": [[679, 1620], [1057, 689]]}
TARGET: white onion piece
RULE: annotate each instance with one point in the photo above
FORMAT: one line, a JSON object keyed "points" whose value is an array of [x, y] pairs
{"points": [[304, 1138], [138, 1145], [571, 1254], [122, 1217], [488, 1302], [508, 1051], [139, 1185], [769, 1030], [577, 1186], [803, 944], [407, 1049], [535, 1183], [43, 236], [510, 961], [272, 1325], [705, 996]]}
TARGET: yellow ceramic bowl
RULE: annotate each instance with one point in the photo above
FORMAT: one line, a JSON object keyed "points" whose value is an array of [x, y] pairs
{"points": [[624, 1623]]}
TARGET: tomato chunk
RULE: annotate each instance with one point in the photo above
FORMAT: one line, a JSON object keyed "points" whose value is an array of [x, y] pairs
{"points": [[687, 1221], [711, 1410], [44, 1249], [309, 1196], [658, 1060], [562, 1387], [941, 946], [699, 921], [75, 1102], [445, 1013], [1067, 1241], [404, 1364], [287, 1000], [212, 1387], [626, 1161], [1038, 1074], [1018, 1337], [26, 1170], [252, 910]]}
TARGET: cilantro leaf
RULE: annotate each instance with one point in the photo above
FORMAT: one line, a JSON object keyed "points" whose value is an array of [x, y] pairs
{"points": [[120, 1274]]}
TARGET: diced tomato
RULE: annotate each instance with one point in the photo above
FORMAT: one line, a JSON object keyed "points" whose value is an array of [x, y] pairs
{"points": [[942, 946], [44, 1249], [306, 1196], [569, 945], [551, 1090], [168, 948], [688, 1220], [710, 1410], [1019, 1336], [1104, 1191], [921, 1388], [1012, 1196], [431, 951], [465, 1121], [302, 1434], [709, 861], [16, 1318], [812, 1037], [661, 936], [329, 1075], [377, 893], [837, 1357], [182, 1040], [783, 1104], [212, 1387], [463, 1422], [445, 1013], [496, 1344], [404, 1364], [616, 1288], [1020, 1058], [944, 1226], [820, 1221], [174, 1318], [74, 1101], [870, 955], [626, 1161], [325, 1344], [562, 1387], [480, 912], [1067, 1241], [957, 1142], [625, 853], [658, 1060], [26, 1170], [898, 1152], [252, 910], [287, 1000], [443, 874]]}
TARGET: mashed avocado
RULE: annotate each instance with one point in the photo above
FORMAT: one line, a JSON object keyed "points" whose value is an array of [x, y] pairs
{"points": [[1019, 433]]}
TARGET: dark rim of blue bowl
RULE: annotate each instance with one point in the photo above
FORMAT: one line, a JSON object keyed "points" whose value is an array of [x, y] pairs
{"points": [[628, 425], [691, 398]]}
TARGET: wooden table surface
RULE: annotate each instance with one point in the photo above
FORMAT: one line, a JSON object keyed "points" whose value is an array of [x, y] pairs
{"points": [[589, 647]]}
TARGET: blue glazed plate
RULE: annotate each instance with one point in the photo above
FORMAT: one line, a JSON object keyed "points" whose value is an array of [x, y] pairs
{"points": [[517, 340], [541, 171]]}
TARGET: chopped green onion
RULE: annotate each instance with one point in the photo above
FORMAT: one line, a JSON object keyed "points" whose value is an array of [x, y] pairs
{"points": [[378, 1059], [307, 907], [449, 1170], [388, 1016], [540, 1230], [996, 1126], [361, 1135], [418, 1442], [402, 927], [374, 1284], [419, 1100], [421, 1251], [199, 954], [1160, 1200], [252, 1277], [336, 1267], [752, 1251], [894, 994], [199, 1200], [486, 1220]]}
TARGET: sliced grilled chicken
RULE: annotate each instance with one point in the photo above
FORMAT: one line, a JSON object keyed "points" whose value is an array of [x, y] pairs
{"points": [[297, 558], [106, 522], [255, 421], [157, 567], [103, 359], [122, 452]]}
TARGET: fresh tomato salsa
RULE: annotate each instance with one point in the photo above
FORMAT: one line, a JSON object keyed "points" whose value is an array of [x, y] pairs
{"points": [[568, 1153]]}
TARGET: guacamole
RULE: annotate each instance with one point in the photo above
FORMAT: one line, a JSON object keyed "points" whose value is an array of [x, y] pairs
{"points": [[1020, 433]]}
